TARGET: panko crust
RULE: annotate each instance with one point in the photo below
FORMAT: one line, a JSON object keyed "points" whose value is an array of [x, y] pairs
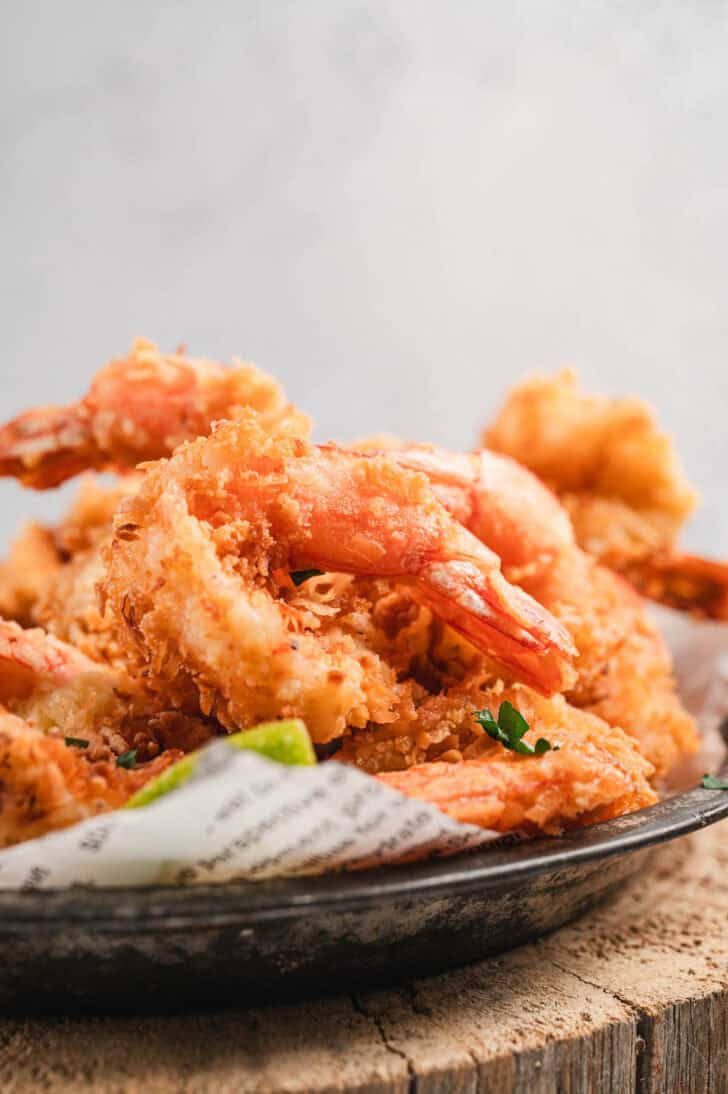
{"points": [[46, 784], [593, 773], [33, 562], [590, 445], [624, 670], [207, 632], [140, 407]]}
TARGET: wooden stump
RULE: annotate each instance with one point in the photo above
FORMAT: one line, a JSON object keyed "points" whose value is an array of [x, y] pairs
{"points": [[632, 998]]}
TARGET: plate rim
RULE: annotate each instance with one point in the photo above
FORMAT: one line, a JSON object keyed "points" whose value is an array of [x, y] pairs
{"points": [[159, 907]]}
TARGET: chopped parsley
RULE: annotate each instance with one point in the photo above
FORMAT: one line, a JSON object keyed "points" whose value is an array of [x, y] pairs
{"points": [[712, 782], [510, 729], [76, 742], [299, 576], [127, 759]]}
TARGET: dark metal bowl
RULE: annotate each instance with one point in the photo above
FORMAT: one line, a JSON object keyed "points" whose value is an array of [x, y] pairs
{"points": [[245, 942]]}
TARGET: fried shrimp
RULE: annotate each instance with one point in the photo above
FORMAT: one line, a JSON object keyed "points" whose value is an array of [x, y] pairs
{"points": [[593, 772], [392, 596], [621, 482], [67, 603], [49, 578], [33, 561], [58, 690], [29, 658], [46, 784], [664, 574], [138, 408], [498, 500], [582, 444], [198, 571], [624, 672]]}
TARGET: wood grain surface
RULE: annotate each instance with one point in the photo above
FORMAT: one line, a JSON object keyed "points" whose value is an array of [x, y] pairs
{"points": [[632, 998]]}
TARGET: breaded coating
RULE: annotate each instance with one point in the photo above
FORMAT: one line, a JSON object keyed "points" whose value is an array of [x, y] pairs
{"points": [[595, 773], [384, 593], [33, 561], [46, 784], [138, 408], [201, 558], [620, 480], [583, 443], [624, 671], [57, 689], [50, 576]]}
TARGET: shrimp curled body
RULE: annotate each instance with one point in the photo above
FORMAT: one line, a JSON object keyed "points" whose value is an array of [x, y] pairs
{"points": [[198, 571], [138, 408], [619, 477], [624, 672]]}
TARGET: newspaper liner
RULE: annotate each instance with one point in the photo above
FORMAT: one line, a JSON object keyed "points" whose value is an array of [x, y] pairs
{"points": [[242, 816]]}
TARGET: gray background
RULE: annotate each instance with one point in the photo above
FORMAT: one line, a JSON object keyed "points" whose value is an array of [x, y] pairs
{"points": [[398, 208]]}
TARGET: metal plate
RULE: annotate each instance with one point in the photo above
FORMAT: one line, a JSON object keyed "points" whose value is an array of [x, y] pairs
{"points": [[169, 948]]}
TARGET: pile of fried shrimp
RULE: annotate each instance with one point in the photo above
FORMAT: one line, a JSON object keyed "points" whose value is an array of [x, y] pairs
{"points": [[395, 597]]}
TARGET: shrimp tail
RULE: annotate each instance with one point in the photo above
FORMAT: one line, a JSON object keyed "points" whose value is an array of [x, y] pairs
{"points": [[502, 620], [686, 582], [44, 447]]}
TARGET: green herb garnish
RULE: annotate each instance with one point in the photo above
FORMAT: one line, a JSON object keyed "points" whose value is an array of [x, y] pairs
{"points": [[299, 576], [509, 730], [712, 782], [76, 742], [127, 759]]}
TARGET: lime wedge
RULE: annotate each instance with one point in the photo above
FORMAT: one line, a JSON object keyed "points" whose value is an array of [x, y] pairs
{"points": [[285, 742]]}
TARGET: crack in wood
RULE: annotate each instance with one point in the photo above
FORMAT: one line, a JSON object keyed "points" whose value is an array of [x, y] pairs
{"points": [[643, 1021], [593, 984], [359, 1007]]}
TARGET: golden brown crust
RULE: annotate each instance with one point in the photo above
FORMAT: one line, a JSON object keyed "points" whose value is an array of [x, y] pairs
{"points": [[33, 561], [198, 572], [621, 482], [624, 671], [138, 408], [608, 448], [387, 656], [46, 785], [596, 773]]}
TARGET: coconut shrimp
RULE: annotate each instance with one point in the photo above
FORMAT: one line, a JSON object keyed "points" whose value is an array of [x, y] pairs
{"points": [[47, 784], [592, 773], [58, 690], [624, 672], [200, 562], [138, 408], [67, 603], [29, 658], [495, 498], [32, 562], [621, 482], [50, 575]]}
